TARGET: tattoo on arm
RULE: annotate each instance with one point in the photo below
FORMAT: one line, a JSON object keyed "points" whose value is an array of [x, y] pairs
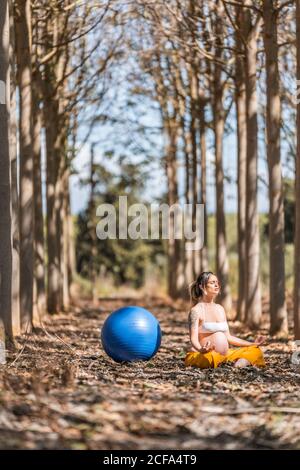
{"points": [[193, 318]]}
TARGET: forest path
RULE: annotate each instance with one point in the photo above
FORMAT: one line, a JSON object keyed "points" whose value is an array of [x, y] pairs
{"points": [[61, 391]]}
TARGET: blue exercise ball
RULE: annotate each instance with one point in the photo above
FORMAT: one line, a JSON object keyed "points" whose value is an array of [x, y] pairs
{"points": [[131, 334]]}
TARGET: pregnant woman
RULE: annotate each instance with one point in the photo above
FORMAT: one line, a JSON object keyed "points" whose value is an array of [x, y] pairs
{"points": [[209, 332]]}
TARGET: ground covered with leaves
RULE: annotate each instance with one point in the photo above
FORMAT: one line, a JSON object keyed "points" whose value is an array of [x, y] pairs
{"points": [[59, 390]]}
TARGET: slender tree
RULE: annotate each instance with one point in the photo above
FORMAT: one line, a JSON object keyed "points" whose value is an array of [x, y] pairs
{"points": [[6, 318], [297, 192], [55, 127], [203, 177], [278, 312], [92, 207], [219, 123], [23, 46], [252, 260], [14, 181], [37, 124], [240, 99]]}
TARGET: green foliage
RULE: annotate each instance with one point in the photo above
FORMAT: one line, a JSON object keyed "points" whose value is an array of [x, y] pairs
{"points": [[126, 260]]}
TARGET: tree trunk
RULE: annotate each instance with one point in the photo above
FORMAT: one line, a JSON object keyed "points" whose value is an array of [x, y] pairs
{"points": [[202, 131], [185, 268], [219, 122], [51, 118], [56, 137], [72, 243], [253, 297], [53, 267], [39, 242], [240, 99], [72, 249], [297, 193], [278, 312], [5, 183], [173, 243], [189, 194], [93, 272], [39, 301], [66, 241], [183, 274], [14, 183], [195, 176], [23, 41]]}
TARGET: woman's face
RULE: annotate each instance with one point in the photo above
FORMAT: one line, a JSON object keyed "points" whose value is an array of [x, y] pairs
{"points": [[213, 286]]}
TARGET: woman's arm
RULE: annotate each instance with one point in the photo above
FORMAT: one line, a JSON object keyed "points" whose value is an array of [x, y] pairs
{"points": [[235, 341], [194, 327], [194, 320]]}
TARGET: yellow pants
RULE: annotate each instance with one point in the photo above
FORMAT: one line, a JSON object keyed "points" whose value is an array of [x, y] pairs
{"points": [[212, 359]]}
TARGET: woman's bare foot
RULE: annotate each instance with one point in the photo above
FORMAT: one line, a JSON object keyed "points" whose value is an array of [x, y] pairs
{"points": [[242, 363]]}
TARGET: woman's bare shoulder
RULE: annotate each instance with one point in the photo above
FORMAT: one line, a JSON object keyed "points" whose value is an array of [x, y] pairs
{"points": [[195, 313], [197, 308]]}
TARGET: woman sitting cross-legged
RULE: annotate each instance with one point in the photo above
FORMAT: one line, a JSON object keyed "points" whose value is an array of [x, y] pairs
{"points": [[209, 331]]}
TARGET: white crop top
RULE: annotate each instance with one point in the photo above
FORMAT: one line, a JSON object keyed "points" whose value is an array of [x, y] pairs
{"points": [[212, 326]]}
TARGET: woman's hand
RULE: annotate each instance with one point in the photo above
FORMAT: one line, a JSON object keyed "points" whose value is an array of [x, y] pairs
{"points": [[260, 340], [208, 346]]}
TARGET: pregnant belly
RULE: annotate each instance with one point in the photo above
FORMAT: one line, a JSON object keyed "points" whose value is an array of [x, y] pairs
{"points": [[218, 339]]}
